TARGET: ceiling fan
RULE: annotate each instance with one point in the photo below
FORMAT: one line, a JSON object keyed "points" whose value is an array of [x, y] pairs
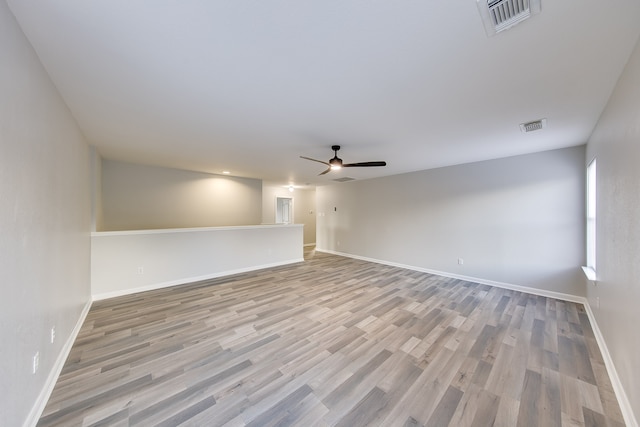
{"points": [[336, 162]]}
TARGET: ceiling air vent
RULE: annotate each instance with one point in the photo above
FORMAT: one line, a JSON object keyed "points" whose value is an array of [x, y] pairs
{"points": [[500, 15], [345, 179], [535, 125]]}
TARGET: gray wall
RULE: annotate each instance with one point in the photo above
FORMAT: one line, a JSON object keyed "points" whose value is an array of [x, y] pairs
{"points": [[305, 213], [96, 189], [304, 208], [616, 144], [139, 197], [518, 220], [45, 220]]}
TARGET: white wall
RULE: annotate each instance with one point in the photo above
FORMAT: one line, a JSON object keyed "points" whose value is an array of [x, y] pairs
{"points": [[45, 220], [615, 142], [97, 222], [517, 221], [138, 197], [304, 207], [133, 261]]}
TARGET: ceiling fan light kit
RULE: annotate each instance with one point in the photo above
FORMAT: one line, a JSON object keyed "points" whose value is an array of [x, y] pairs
{"points": [[336, 162]]}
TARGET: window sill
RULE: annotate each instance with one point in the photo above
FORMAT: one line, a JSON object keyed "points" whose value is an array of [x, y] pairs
{"points": [[590, 273]]}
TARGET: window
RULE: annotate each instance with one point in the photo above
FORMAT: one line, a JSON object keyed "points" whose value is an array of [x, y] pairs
{"points": [[591, 220]]}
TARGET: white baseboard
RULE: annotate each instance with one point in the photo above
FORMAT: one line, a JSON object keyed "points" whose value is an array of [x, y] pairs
{"points": [[182, 281], [625, 406], [526, 289], [623, 400], [52, 378], [309, 244]]}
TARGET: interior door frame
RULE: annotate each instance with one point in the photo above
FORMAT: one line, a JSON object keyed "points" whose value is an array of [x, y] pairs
{"points": [[291, 219]]}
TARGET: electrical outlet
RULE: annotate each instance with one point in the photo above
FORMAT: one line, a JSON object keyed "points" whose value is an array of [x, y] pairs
{"points": [[36, 362], [140, 270], [460, 261], [53, 334]]}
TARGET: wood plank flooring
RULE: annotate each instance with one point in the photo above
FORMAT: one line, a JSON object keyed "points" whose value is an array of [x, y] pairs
{"points": [[334, 341]]}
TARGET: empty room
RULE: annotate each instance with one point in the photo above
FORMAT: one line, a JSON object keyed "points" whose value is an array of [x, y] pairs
{"points": [[234, 213]]}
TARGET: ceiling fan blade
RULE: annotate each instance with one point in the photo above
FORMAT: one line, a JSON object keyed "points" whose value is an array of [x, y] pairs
{"points": [[364, 164], [314, 160], [336, 162]]}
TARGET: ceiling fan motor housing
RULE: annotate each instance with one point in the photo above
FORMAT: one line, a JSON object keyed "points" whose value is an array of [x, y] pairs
{"points": [[336, 162]]}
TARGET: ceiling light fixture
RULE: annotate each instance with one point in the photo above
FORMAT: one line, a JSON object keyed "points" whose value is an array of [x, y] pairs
{"points": [[226, 172]]}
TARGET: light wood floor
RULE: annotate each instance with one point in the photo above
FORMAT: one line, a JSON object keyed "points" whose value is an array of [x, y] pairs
{"points": [[339, 342]]}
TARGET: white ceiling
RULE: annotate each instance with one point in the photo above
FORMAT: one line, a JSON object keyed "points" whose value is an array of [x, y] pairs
{"points": [[249, 86]]}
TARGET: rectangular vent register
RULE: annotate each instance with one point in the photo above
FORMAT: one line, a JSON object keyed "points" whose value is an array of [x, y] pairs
{"points": [[500, 15]]}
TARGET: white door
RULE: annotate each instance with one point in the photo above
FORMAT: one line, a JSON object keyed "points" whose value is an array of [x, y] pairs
{"points": [[284, 210]]}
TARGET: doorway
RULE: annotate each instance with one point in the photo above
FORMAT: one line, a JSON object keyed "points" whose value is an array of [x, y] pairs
{"points": [[284, 210]]}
